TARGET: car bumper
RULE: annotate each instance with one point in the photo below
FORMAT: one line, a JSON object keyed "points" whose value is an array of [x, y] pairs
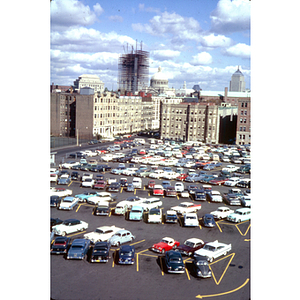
{"points": [[176, 271], [156, 250], [100, 260]]}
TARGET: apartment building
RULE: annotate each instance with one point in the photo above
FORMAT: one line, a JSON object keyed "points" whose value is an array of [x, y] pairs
{"points": [[243, 130]]}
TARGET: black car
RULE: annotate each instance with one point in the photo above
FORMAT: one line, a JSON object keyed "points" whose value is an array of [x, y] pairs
{"points": [[126, 255], [114, 187], [55, 201], [54, 222], [174, 262], [201, 267], [208, 220], [101, 211], [123, 182], [100, 252], [60, 245], [75, 175]]}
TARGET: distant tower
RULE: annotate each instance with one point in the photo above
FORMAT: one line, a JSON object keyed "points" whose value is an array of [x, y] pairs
{"points": [[237, 83], [133, 71]]}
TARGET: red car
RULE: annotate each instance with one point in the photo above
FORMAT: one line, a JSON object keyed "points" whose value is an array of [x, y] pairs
{"points": [[100, 184], [158, 190], [165, 245], [151, 184], [218, 181], [182, 177]]}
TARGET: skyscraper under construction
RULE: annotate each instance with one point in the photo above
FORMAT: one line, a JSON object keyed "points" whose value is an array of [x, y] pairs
{"points": [[133, 69]]}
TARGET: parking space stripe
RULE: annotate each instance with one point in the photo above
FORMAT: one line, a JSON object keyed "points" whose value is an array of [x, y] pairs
{"points": [[162, 272], [187, 274], [137, 242], [219, 227]]}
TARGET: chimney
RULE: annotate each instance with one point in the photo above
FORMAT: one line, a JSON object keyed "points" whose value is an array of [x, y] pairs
{"points": [[225, 96]]}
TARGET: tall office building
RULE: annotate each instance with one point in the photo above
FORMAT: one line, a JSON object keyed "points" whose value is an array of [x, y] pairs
{"points": [[237, 83]]}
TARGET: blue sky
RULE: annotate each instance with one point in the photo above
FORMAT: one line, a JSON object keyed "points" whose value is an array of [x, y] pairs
{"points": [[197, 41]]}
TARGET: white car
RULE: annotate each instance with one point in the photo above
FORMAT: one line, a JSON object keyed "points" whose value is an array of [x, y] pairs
{"points": [[246, 200], [213, 250], [102, 234], [88, 182], [132, 201], [186, 207], [190, 219], [232, 181], [151, 203], [240, 215], [171, 175], [70, 164], [157, 174], [61, 192], [86, 176], [215, 196], [222, 212], [179, 187], [69, 226], [107, 157], [230, 168], [68, 203], [90, 153], [155, 215], [129, 171], [101, 197]]}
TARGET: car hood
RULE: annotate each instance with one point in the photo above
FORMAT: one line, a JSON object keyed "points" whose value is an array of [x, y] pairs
{"points": [[160, 245], [66, 204], [92, 235], [184, 248], [204, 269]]}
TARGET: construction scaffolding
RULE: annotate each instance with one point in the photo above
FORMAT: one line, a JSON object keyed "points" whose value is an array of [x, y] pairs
{"points": [[133, 69]]}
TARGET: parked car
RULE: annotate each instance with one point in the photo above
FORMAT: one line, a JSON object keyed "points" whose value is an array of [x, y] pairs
{"points": [[60, 245], [158, 190], [149, 203], [100, 252], [121, 237], [232, 199], [230, 169], [190, 246], [232, 181], [240, 215], [89, 182], [130, 187], [208, 220], [185, 207], [121, 208], [131, 201], [136, 213], [222, 212], [83, 197], [174, 262], [155, 215], [69, 226], [190, 219], [126, 255], [64, 179], [185, 194], [201, 267], [246, 200], [214, 196], [79, 249], [165, 245], [151, 184], [170, 192], [213, 250], [102, 234], [102, 209], [100, 184], [68, 203], [171, 216], [61, 192], [200, 195], [55, 201], [137, 182], [179, 187]]}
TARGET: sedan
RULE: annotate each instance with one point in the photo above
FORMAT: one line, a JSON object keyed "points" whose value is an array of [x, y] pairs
{"points": [[79, 249], [201, 267], [64, 179], [126, 255], [100, 252], [68, 203], [114, 187], [60, 245], [174, 262], [69, 226], [190, 246]]}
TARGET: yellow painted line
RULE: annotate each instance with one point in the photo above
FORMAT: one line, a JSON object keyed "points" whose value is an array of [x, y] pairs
{"points": [[247, 240], [243, 234], [137, 242], [142, 251], [78, 207], [76, 233], [137, 262], [70, 183], [148, 255], [113, 262], [218, 282], [134, 191], [225, 293], [219, 227], [162, 272], [187, 274], [121, 190]]}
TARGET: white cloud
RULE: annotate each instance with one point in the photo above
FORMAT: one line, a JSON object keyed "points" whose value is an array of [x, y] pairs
{"points": [[231, 16], [148, 9], [203, 58], [214, 41], [116, 18], [98, 9], [172, 24], [164, 54], [239, 50], [67, 13]]}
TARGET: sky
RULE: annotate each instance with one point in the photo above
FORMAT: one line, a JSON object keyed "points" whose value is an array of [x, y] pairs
{"points": [[198, 41]]}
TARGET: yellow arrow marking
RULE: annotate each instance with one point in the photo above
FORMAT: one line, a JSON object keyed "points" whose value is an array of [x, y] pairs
{"points": [[228, 292]]}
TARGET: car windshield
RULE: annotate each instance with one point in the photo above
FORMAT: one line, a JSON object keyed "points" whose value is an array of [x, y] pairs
{"points": [[77, 247], [154, 212], [60, 243], [191, 217], [136, 211], [189, 244], [68, 200], [99, 231], [126, 253], [209, 248], [164, 241], [176, 260]]}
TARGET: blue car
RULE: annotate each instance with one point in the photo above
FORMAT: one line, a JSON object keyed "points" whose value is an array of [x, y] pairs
{"points": [[64, 179], [136, 213], [85, 195], [126, 255], [208, 220], [79, 249]]}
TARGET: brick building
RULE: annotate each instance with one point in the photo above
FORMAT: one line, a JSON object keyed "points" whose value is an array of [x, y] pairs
{"points": [[243, 130]]}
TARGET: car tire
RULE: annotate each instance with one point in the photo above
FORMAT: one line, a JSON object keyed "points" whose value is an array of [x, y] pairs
{"points": [[63, 233]]}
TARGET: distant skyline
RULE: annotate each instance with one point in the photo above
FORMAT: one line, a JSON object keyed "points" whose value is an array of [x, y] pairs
{"points": [[198, 41]]}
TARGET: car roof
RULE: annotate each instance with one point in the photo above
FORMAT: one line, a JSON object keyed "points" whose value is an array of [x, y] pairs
{"points": [[127, 248], [194, 240]]}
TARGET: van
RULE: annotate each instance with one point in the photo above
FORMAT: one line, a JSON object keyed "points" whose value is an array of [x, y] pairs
{"points": [[137, 182]]}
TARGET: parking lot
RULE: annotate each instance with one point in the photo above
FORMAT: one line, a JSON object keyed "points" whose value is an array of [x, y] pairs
{"points": [[148, 277]]}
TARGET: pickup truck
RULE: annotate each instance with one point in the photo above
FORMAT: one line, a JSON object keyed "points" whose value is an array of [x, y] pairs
{"points": [[222, 212], [213, 250], [186, 207]]}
